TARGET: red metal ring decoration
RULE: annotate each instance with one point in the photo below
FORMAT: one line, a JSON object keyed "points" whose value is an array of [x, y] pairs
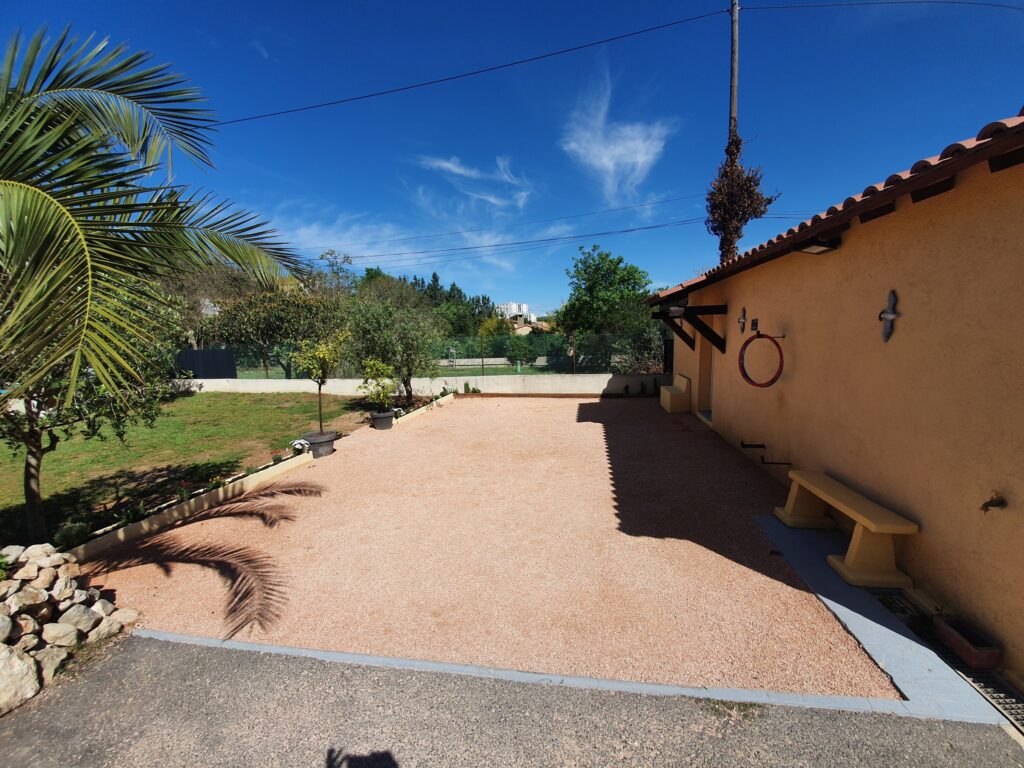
{"points": [[743, 367]]}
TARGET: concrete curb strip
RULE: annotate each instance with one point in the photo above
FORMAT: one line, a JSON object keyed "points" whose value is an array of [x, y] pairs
{"points": [[741, 695], [439, 403]]}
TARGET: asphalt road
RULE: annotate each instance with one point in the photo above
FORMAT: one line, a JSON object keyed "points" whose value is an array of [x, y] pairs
{"points": [[145, 702]]}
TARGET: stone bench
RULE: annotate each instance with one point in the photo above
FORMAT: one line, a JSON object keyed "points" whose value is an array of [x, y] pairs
{"points": [[676, 398], [870, 560]]}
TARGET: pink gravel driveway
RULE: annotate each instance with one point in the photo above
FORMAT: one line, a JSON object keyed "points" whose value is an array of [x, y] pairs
{"points": [[601, 538]]}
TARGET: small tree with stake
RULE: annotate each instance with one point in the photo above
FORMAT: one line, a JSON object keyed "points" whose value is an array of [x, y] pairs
{"points": [[317, 360], [520, 351]]}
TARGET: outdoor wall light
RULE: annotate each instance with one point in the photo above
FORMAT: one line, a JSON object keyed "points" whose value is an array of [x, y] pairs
{"points": [[675, 311], [817, 246]]}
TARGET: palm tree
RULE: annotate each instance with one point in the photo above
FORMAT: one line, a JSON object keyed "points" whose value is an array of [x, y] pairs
{"points": [[86, 131]]}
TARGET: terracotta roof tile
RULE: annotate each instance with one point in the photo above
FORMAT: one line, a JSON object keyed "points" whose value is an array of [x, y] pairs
{"points": [[1010, 131]]}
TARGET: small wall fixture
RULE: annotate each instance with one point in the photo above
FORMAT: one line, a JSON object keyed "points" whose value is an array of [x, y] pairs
{"points": [[818, 245]]}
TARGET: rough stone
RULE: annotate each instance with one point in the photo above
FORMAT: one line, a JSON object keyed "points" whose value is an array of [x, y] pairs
{"points": [[27, 572], [8, 587], [103, 607], [36, 552], [93, 594], [19, 680], [11, 553], [27, 642], [79, 596], [42, 612], [69, 571], [6, 626], [25, 625], [45, 578], [49, 660], [108, 627], [63, 588], [81, 617], [53, 561], [26, 598], [59, 633], [63, 605], [125, 615]]}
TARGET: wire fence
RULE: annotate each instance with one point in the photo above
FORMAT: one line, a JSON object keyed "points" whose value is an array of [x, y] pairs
{"points": [[648, 351]]}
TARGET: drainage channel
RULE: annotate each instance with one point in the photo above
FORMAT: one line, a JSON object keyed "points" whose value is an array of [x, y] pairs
{"points": [[1003, 696]]}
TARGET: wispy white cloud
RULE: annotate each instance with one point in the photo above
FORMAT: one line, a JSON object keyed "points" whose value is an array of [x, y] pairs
{"points": [[257, 45], [499, 187], [619, 154]]}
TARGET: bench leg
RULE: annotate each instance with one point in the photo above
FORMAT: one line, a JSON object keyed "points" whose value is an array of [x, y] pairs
{"points": [[870, 561], [804, 510]]}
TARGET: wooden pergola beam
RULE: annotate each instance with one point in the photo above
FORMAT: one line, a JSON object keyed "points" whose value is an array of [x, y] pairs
{"points": [[677, 328], [705, 330]]}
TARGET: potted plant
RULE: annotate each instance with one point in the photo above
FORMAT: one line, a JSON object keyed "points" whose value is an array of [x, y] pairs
{"points": [[379, 386], [317, 360]]}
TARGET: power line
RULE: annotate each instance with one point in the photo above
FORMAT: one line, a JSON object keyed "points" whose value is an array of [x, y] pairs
{"points": [[860, 3], [605, 41], [473, 73], [503, 226], [519, 246], [406, 262], [553, 239]]}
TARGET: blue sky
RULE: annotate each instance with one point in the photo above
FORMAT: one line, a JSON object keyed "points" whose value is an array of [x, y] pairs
{"points": [[831, 100]]}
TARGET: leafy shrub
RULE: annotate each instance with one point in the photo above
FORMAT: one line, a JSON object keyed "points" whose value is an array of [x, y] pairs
{"points": [[378, 384], [518, 349], [71, 535]]}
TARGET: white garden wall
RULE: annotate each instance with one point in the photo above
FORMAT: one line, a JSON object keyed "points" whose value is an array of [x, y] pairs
{"points": [[537, 384]]}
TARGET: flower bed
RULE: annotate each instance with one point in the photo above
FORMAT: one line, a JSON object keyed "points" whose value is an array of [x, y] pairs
{"points": [[172, 512], [439, 402]]}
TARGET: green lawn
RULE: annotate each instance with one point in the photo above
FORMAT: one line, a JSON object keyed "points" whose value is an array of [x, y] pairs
{"points": [[198, 438]]}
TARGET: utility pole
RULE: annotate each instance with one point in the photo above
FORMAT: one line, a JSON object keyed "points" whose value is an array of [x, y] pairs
{"points": [[735, 196], [734, 72]]}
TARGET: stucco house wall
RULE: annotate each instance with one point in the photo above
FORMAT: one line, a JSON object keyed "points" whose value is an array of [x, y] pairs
{"points": [[928, 424]]}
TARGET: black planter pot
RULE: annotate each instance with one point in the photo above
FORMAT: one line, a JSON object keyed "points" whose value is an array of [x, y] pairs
{"points": [[382, 420], [320, 445]]}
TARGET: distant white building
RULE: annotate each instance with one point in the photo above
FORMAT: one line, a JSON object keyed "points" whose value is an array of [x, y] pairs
{"points": [[512, 309]]}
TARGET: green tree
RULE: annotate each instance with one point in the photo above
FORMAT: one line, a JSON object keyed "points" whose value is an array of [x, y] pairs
{"points": [[608, 326], [46, 417], [407, 338], [520, 350], [317, 360], [86, 230], [606, 295], [273, 324]]}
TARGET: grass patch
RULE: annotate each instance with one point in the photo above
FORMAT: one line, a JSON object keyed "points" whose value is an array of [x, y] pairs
{"points": [[197, 439]]}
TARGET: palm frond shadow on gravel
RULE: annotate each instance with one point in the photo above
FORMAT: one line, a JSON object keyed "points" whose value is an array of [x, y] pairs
{"points": [[256, 588]]}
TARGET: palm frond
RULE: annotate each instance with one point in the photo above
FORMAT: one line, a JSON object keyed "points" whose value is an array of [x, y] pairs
{"points": [[148, 109]]}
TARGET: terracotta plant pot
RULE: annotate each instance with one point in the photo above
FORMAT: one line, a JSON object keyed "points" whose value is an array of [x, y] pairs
{"points": [[320, 445], [382, 420], [975, 648]]}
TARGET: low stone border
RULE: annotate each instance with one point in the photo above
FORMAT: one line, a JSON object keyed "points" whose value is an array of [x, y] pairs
{"points": [[439, 403], [181, 510]]}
